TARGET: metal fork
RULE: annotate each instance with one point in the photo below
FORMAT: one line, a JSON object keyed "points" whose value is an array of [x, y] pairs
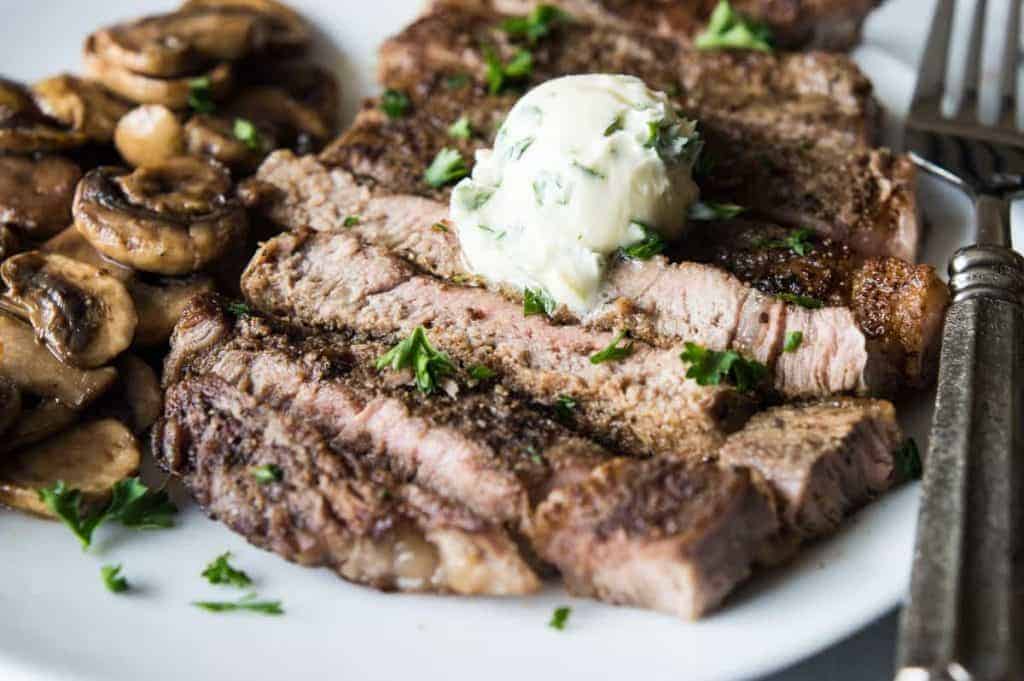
{"points": [[963, 619]]}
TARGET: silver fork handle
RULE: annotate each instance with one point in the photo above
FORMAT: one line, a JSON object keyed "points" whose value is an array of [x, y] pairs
{"points": [[963, 618]]}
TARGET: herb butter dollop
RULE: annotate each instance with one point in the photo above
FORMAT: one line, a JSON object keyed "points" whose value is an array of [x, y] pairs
{"points": [[582, 167]]}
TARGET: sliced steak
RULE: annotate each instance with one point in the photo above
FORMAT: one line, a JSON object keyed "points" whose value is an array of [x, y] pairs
{"points": [[844, 350], [641, 403], [322, 512], [698, 525], [823, 460]]}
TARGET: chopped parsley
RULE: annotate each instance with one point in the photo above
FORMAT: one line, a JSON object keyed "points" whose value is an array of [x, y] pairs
{"points": [[592, 172], [238, 309], [247, 134], [907, 460], [131, 503], [711, 367], [219, 571], [674, 142], [416, 353], [614, 126], [729, 30], [559, 617], [246, 603], [535, 25], [200, 95], [803, 301], [799, 241], [352, 220], [564, 407], [501, 75], [614, 352], [395, 103], [793, 341], [651, 245], [538, 301], [479, 372], [460, 129], [439, 227], [709, 210], [517, 149], [446, 167], [267, 473], [473, 196], [456, 81], [112, 579]]}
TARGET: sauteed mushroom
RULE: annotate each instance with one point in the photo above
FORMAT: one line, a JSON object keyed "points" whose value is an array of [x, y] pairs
{"points": [[48, 417], [149, 135], [137, 399], [84, 106], [289, 33], [172, 91], [31, 366], [295, 125], [10, 404], [25, 129], [218, 138], [84, 316], [90, 457], [173, 218], [36, 193], [9, 241]]}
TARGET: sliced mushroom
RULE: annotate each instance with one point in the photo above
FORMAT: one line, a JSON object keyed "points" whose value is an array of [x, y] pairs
{"points": [[36, 193], [161, 304], [289, 34], [34, 369], [172, 91], [217, 138], [312, 86], [295, 125], [90, 457], [10, 404], [84, 106], [72, 244], [24, 128], [136, 400], [84, 316], [149, 135], [37, 423], [9, 242], [172, 218]]}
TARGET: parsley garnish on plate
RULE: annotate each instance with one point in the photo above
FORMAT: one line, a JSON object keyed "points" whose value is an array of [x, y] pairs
{"points": [[537, 301], [651, 245], [798, 241], [238, 309], [247, 134], [395, 103], [112, 579], [710, 210], [501, 75], [131, 503], [711, 367], [564, 407], [614, 352], [793, 341], [479, 372], [200, 95], [247, 603], [729, 30], [352, 220], [267, 473], [416, 353], [535, 25], [439, 227], [446, 167], [460, 129], [220, 571], [803, 301], [559, 617], [907, 460]]}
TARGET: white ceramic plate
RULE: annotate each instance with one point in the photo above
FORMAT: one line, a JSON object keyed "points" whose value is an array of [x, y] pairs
{"points": [[57, 621]]}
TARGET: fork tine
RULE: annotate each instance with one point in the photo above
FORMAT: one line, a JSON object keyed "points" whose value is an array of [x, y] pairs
{"points": [[932, 75], [964, 100], [1004, 24]]}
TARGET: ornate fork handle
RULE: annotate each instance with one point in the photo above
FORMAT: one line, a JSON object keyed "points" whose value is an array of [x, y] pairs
{"points": [[963, 620]]}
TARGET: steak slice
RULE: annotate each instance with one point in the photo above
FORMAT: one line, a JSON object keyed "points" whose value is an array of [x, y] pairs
{"points": [[860, 350], [641, 403], [697, 524], [821, 24], [482, 449], [823, 460], [388, 535]]}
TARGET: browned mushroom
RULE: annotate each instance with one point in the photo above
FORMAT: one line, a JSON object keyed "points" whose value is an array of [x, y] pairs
{"points": [[289, 34], [9, 242], [84, 315], [90, 457], [36, 193], [72, 244], [34, 369], [48, 417], [149, 135], [172, 218], [24, 128], [237, 143], [136, 400], [10, 404], [84, 106]]}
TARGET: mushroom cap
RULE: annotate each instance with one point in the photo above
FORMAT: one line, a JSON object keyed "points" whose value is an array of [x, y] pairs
{"points": [[83, 105], [10, 404], [149, 135], [24, 128], [48, 417], [36, 193], [294, 124], [84, 316], [173, 218], [290, 34], [214, 137]]}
